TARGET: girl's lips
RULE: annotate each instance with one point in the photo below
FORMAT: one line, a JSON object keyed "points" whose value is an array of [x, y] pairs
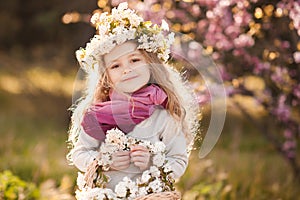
{"points": [[129, 78]]}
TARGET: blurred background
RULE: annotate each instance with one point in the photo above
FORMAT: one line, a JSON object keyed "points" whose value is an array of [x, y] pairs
{"points": [[255, 44]]}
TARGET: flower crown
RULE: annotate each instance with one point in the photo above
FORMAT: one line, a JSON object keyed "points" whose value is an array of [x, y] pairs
{"points": [[122, 25]]}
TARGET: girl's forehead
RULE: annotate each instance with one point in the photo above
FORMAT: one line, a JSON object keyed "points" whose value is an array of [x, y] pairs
{"points": [[119, 51]]}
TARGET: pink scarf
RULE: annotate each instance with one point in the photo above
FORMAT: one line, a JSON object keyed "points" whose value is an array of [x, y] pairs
{"points": [[122, 112]]}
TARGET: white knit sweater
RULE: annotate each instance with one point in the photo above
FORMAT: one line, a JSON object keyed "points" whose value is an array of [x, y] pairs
{"points": [[160, 126]]}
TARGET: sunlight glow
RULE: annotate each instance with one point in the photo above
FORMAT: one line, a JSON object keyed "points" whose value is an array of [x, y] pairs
{"points": [[10, 84], [268, 10], [102, 3], [156, 7], [36, 80], [71, 17], [254, 83], [258, 13], [278, 12], [49, 81]]}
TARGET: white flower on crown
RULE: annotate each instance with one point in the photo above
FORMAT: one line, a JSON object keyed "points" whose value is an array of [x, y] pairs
{"points": [[123, 24]]}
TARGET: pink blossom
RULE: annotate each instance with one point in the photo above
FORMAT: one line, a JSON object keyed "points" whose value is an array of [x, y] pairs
{"points": [[288, 134], [296, 91], [195, 10], [289, 144], [259, 66], [285, 44], [277, 76], [201, 26], [282, 111], [244, 40], [203, 98], [208, 3], [233, 31], [291, 154], [296, 56]]}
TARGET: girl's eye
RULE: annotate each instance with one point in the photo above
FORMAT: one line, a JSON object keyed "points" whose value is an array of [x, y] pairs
{"points": [[135, 60], [114, 66]]}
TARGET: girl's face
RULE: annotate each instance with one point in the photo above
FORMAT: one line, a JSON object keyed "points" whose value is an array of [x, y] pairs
{"points": [[127, 68]]}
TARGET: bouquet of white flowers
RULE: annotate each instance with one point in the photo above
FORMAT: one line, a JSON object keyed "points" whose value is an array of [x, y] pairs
{"points": [[157, 179]]}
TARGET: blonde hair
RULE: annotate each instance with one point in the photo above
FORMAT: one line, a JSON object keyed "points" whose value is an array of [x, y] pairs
{"points": [[161, 74]]}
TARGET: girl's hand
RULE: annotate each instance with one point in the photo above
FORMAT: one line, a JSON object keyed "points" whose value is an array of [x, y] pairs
{"points": [[121, 160], [140, 156]]}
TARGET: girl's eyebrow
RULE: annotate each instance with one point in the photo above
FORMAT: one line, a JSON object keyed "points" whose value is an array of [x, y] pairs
{"points": [[134, 53]]}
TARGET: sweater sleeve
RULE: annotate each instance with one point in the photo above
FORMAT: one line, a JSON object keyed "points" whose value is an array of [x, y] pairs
{"points": [[176, 148], [85, 151]]}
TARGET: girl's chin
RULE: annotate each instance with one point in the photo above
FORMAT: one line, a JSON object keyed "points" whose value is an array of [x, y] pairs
{"points": [[130, 87], [128, 90]]}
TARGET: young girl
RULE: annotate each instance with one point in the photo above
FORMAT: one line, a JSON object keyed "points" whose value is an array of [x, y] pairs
{"points": [[132, 92]]}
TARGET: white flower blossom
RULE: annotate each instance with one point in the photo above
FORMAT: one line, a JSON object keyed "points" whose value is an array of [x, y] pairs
{"points": [[115, 136], [124, 186], [167, 168], [143, 39], [156, 185], [121, 189], [158, 159], [123, 6], [145, 177], [102, 29], [164, 25], [95, 18], [80, 180], [105, 159], [142, 191], [159, 147], [154, 171]]}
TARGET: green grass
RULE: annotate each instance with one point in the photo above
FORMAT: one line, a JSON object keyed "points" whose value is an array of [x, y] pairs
{"points": [[34, 149]]}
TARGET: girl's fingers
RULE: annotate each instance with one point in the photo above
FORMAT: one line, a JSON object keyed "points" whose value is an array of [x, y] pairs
{"points": [[140, 154], [140, 159], [142, 165], [139, 148], [121, 164], [121, 160], [121, 153], [118, 165]]}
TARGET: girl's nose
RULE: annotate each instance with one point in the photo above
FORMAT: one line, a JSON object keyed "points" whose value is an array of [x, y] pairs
{"points": [[127, 68]]}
